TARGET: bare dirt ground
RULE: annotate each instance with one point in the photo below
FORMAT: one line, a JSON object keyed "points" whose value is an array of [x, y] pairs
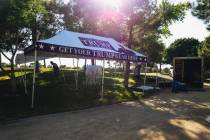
{"points": [[163, 116]]}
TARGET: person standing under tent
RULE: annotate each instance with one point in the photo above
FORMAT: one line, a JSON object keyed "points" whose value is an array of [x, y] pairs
{"points": [[56, 69]]}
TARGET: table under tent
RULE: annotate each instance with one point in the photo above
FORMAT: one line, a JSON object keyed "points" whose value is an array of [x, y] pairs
{"points": [[68, 44]]}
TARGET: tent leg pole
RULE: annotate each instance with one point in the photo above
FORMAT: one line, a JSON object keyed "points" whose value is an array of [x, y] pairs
{"points": [[77, 74], [102, 82], [156, 78], [21, 72], [25, 80], [34, 80], [145, 76], [85, 65], [115, 70], [63, 75]]}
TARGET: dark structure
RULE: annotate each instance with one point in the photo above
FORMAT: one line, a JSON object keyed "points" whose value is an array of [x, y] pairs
{"points": [[188, 70]]}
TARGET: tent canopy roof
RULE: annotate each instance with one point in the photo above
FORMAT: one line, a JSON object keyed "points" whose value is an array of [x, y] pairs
{"points": [[80, 45]]}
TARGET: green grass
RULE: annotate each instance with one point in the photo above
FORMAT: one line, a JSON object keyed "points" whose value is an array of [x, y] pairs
{"points": [[54, 95], [207, 80], [17, 74]]}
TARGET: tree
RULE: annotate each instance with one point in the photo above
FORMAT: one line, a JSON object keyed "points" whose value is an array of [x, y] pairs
{"points": [[182, 48], [41, 18], [152, 21], [148, 34], [20, 20], [204, 51], [12, 35], [130, 22], [134, 14], [201, 9], [156, 26], [153, 48]]}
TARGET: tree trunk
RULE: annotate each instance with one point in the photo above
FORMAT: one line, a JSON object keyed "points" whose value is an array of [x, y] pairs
{"points": [[137, 71], [160, 67], [137, 74], [34, 35], [12, 76], [126, 74], [127, 67]]}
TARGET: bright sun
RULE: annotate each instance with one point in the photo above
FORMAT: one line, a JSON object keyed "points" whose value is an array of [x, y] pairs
{"points": [[111, 3]]}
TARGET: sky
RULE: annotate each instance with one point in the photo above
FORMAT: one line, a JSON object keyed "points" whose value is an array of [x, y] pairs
{"points": [[189, 27]]}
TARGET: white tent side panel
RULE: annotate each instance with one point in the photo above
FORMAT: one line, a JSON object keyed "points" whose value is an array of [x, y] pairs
{"points": [[22, 59]]}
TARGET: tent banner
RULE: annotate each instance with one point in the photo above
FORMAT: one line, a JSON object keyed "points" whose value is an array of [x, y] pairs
{"points": [[45, 47], [96, 43]]}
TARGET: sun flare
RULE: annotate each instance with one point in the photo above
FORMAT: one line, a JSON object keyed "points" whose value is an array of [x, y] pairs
{"points": [[111, 3]]}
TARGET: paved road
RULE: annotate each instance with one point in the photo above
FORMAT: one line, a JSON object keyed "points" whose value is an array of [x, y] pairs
{"points": [[161, 117]]}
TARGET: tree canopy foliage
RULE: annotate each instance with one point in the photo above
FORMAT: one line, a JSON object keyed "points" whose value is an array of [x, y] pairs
{"points": [[201, 9], [185, 47], [12, 36], [204, 51], [137, 23], [19, 24]]}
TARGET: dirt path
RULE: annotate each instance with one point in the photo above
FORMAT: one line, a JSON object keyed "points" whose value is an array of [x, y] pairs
{"points": [[160, 117]]}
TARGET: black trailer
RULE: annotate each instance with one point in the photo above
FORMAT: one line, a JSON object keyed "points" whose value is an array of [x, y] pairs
{"points": [[188, 70]]}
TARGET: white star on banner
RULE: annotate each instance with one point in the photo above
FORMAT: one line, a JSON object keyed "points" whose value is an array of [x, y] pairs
{"points": [[41, 46], [52, 48]]}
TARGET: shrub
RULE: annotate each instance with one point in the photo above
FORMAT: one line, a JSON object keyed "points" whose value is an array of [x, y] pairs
{"points": [[63, 66], [166, 70]]}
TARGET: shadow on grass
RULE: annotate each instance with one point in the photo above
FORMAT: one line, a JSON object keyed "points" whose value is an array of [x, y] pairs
{"points": [[167, 116], [53, 94]]}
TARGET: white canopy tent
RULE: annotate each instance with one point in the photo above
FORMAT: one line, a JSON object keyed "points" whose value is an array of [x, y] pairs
{"points": [[68, 44], [72, 44]]}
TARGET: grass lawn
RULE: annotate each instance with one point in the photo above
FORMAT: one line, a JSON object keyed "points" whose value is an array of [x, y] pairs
{"points": [[53, 95], [207, 80]]}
